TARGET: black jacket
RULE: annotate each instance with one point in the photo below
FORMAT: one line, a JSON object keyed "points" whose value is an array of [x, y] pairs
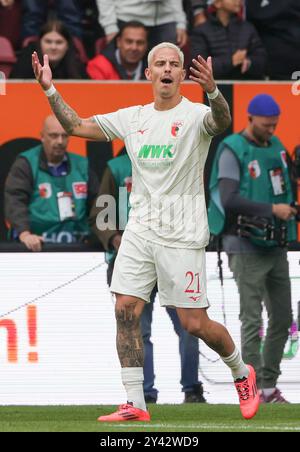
{"points": [[278, 24], [219, 42]]}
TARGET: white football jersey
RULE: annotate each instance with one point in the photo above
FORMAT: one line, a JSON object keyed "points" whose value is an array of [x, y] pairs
{"points": [[168, 150]]}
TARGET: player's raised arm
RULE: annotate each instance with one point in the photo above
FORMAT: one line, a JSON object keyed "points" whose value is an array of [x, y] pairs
{"points": [[69, 119], [219, 118]]}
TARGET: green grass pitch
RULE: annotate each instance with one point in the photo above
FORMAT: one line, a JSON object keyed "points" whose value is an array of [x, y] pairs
{"points": [[164, 418]]}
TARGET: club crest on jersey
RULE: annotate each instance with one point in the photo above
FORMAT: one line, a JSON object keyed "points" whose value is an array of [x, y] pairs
{"points": [[45, 190], [176, 127], [254, 169]]}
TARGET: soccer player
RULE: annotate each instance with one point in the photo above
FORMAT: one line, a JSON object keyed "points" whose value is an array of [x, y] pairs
{"points": [[165, 237]]}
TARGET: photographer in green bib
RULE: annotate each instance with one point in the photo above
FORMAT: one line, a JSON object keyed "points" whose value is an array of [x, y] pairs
{"points": [[49, 191], [252, 208]]}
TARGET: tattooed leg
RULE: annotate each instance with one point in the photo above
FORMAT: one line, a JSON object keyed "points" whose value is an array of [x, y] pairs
{"points": [[129, 339]]}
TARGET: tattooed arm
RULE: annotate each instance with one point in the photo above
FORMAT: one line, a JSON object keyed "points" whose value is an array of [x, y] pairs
{"points": [[69, 119], [219, 118], [71, 122]]}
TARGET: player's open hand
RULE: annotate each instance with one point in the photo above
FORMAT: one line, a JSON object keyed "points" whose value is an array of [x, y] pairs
{"points": [[43, 74], [202, 73]]}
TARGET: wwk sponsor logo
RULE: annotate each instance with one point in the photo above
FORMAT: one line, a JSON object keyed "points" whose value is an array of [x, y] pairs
{"points": [[156, 151]]}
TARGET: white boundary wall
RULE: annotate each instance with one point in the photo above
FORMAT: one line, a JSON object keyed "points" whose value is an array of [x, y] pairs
{"points": [[75, 333]]}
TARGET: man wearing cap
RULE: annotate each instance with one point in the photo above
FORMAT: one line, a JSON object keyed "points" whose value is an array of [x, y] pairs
{"points": [[250, 207]]}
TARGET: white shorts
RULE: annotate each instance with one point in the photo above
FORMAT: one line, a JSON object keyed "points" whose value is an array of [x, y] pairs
{"points": [[180, 273]]}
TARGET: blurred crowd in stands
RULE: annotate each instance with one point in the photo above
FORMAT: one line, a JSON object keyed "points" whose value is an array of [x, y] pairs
{"points": [[109, 39]]}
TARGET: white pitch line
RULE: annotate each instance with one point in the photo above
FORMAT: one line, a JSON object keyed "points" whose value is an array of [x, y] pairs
{"points": [[214, 426]]}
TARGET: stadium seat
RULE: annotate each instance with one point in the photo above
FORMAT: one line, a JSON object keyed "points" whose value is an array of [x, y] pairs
{"points": [[100, 44], [7, 56], [28, 40], [78, 44], [10, 22]]}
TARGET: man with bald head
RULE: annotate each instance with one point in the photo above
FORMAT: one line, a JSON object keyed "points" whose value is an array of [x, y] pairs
{"points": [[48, 191]]}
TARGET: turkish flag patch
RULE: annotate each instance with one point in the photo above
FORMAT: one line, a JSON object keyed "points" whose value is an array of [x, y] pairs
{"points": [[80, 190], [45, 190]]}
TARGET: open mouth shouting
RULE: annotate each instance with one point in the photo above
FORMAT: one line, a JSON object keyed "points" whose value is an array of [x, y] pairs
{"points": [[166, 81]]}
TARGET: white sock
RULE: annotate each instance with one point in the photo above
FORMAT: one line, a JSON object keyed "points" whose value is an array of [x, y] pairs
{"points": [[238, 367], [133, 378]]}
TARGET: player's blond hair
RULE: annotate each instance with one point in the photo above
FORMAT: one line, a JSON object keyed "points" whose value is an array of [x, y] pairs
{"points": [[164, 45]]}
